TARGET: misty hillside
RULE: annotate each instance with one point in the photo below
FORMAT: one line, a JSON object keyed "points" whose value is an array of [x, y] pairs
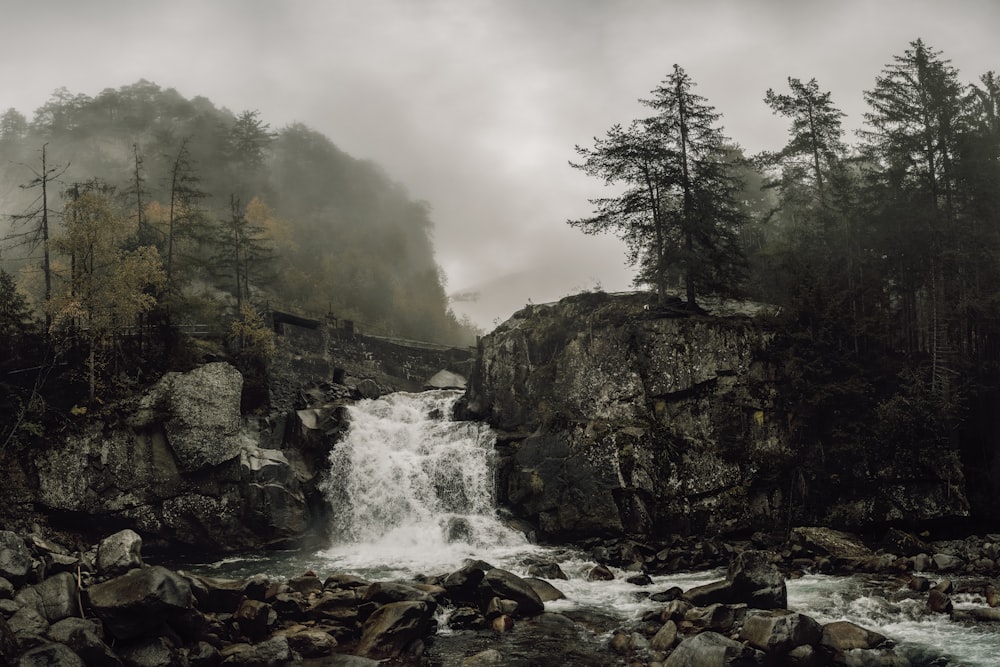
{"points": [[238, 211]]}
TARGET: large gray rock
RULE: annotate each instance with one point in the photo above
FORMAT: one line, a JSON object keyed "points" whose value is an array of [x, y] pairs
{"points": [[512, 587], [392, 628], [202, 407], [140, 601], [710, 649], [779, 631], [119, 553], [55, 598], [757, 581], [86, 638]]}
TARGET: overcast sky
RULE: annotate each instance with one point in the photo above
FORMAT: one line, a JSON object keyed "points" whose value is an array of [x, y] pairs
{"points": [[475, 105]]}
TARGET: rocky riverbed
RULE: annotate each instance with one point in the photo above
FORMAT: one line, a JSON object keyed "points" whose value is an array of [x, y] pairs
{"points": [[105, 606]]}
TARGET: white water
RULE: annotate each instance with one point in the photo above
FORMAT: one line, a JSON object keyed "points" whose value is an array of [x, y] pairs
{"points": [[413, 494]]}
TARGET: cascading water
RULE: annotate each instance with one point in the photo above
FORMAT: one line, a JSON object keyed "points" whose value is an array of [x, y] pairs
{"points": [[412, 490]]}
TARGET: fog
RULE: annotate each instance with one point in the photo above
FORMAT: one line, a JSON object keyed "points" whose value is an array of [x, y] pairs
{"points": [[475, 106]]}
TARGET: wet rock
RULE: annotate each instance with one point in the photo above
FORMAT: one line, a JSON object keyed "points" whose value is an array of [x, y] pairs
{"points": [[311, 643], [274, 651], [502, 624], [50, 655], [672, 593], [392, 628], [15, 559], [466, 618], [665, 637], [757, 581], [341, 606], [119, 553], [387, 591], [710, 649], [939, 602], [55, 598], [305, 584], [28, 625], [835, 544], [546, 571], [86, 639], [8, 643], [600, 573], [947, 562], [717, 617], [508, 585], [462, 584], [546, 592], [488, 658], [151, 652], [779, 631], [901, 542], [203, 654], [218, 595], [841, 636], [255, 619], [140, 600]]}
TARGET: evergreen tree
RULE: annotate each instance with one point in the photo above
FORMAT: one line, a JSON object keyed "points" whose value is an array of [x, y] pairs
{"points": [[680, 210]]}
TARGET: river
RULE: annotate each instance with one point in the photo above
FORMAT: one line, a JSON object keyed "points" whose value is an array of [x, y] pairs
{"points": [[413, 494]]}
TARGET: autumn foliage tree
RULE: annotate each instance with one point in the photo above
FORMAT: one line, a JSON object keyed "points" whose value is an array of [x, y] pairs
{"points": [[110, 282]]}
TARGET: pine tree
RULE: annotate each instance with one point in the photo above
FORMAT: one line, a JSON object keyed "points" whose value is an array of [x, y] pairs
{"points": [[680, 210]]}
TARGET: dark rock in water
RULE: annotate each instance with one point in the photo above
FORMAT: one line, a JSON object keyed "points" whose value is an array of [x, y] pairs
{"points": [[939, 602], [458, 529], [841, 636], [465, 618], [311, 643], [462, 585], [508, 585], [672, 593], [639, 580], [901, 542], [546, 571], [711, 648], [757, 581], [779, 631], [546, 591], [384, 592], [600, 573], [392, 628], [140, 601]]}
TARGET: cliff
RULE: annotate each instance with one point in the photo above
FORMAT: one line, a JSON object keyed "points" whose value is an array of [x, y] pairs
{"points": [[618, 419]]}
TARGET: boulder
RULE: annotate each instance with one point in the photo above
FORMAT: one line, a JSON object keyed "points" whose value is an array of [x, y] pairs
{"points": [[202, 411], [86, 639], [512, 587], [15, 559], [392, 628], [274, 651], [710, 649], [384, 592], [119, 553], [835, 544], [140, 601], [841, 636], [55, 598], [50, 655], [311, 643], [546, 592], [8, 643], [665, 637], [463, 584], [151, 652], [757, 581], [255, 619], [779, 631]]}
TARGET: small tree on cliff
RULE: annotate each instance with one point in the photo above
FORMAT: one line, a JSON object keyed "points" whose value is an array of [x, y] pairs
{"points": [[679, 211]]}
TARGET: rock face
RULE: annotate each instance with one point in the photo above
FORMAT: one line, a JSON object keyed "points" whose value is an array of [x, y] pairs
{"points": [[615, 419], [182, 468]]}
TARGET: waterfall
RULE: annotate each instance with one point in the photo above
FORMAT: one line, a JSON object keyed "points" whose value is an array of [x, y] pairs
{"points": [[410, 487]]}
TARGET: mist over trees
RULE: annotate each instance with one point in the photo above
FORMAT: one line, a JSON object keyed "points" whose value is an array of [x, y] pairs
{"points": [[236, 212]]}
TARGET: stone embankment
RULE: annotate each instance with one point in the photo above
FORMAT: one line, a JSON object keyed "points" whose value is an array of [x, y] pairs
{"points": [[106, 606]]}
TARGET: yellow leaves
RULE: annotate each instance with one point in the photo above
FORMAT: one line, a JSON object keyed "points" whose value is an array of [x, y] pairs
{"points": [[277, 231], [252, 334]]}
